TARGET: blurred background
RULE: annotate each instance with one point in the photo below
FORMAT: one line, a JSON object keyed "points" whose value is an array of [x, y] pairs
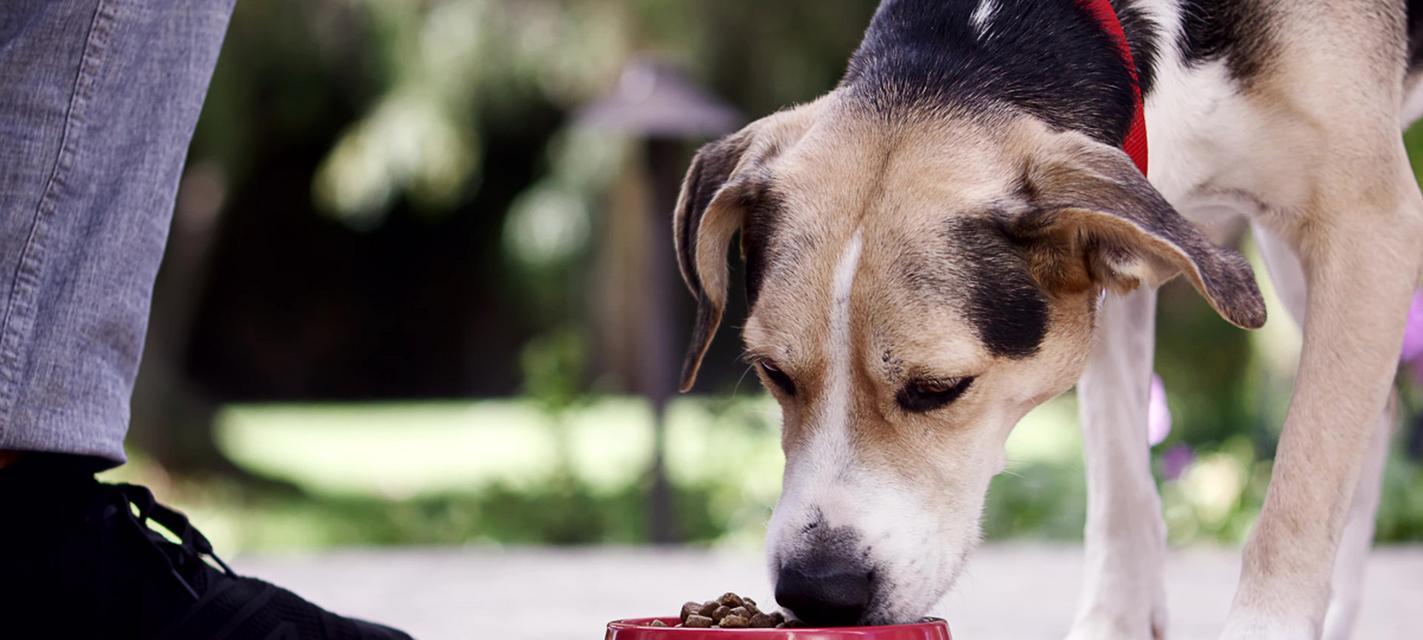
{"points": [[420, 292]]}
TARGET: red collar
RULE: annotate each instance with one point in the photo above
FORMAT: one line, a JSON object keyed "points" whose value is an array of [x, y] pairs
{"points": [[1135, 142]]}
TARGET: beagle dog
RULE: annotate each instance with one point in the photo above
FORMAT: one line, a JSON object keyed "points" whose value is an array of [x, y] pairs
{"points": [[954, 234]]}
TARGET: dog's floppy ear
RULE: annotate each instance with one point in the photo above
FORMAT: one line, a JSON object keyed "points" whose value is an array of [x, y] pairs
{"points": [[723, 183], [1093, 220]]}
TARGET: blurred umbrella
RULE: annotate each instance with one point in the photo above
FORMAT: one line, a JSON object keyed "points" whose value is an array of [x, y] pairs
{"points": [[654, 100], [657, 104]]}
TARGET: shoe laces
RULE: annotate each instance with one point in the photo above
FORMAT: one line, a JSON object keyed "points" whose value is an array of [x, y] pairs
{"points": [[191, 546]]}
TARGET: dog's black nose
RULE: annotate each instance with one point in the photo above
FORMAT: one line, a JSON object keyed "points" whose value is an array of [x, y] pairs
{"points": [[824, 591]]}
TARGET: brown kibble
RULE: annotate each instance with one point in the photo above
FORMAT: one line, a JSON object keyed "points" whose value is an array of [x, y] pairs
{"points": [[731, 611], [699, 622], [734, 622], [762, 621], [657, 623]]}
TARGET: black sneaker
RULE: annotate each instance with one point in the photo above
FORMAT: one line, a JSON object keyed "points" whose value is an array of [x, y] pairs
{"points": [[79, 559]]}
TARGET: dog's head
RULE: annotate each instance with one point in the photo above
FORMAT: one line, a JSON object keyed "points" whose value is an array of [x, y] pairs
{"points": [[916, 285]]}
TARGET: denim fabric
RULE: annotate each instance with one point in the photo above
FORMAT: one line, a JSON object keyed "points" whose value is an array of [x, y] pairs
{"points": [[98, 100]]}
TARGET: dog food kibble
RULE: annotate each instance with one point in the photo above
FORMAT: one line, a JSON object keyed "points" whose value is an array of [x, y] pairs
{"points": [[700, 622], [730, 611], [761, 621], [657, 623], [734, 622]]}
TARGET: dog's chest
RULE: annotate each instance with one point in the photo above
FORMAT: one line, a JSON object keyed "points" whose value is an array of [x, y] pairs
{"points": [[1207, 142]]}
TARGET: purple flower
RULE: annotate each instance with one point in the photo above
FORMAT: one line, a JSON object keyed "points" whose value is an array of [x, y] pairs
{"points": [[1413, 336], [1175, 461], [1158, 415]]}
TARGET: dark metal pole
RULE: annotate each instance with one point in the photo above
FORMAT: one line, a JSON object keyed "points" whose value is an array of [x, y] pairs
{"points": [[657, 103], [659, 362]]}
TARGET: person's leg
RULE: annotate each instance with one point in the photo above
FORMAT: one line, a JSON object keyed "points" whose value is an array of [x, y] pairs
{"points": [[98, 101]]}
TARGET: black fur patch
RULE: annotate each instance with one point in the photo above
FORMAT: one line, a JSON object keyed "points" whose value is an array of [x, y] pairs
{"points": [[1144, 39], [1237, 30], [1049, 58], [763, 217], [982, 272], [1005, 305], [1414, 11]]}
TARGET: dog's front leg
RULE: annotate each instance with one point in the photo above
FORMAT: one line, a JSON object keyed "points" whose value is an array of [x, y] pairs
{"points": [[1360, 250], [1123, 595], [1347, 588], [1356, 541]]}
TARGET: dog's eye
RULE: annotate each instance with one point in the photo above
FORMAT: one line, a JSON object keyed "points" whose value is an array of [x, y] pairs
{"points": [[778, 377], [924, 395]]}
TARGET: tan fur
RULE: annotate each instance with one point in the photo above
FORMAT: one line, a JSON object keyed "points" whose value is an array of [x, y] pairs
{"points": [[899, 190]]}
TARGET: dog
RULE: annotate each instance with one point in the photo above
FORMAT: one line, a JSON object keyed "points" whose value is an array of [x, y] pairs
{"points": [[953, 235]]}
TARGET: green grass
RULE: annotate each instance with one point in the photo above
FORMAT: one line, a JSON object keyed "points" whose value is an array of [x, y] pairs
{"points": [[404, 449], [505, 471]]}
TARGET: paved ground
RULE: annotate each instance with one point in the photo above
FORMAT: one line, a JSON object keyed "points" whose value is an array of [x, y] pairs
{"points": [[1010, 592]]}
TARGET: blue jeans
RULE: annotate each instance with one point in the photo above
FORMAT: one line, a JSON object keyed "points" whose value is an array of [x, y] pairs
{"points": [[98, 101]]}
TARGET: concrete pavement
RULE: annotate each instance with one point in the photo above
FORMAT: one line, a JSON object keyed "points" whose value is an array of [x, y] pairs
{"points": [[1013, 591]]}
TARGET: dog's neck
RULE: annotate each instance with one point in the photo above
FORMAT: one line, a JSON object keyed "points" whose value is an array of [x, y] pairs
{"points": [[1049, 58]]}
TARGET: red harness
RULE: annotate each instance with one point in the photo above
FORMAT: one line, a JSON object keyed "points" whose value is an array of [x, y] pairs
{"points": [[1135, 142]]}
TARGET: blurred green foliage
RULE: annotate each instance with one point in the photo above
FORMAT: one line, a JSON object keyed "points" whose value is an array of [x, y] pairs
{"points": [[491, 472]]}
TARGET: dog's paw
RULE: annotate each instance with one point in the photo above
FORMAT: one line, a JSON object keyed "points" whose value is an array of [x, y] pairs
{"points": [[1148, 623], [1134, 610], [1247, 625]]}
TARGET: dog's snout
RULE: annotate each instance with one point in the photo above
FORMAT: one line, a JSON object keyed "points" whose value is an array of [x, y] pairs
{"points": [[824, 590]]}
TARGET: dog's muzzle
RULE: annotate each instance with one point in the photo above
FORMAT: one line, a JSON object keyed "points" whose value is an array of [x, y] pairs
{"points": [[828, 583]]}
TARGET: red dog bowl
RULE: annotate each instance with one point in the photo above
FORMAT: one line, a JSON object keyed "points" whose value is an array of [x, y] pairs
{"points": [[638, 629]]}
